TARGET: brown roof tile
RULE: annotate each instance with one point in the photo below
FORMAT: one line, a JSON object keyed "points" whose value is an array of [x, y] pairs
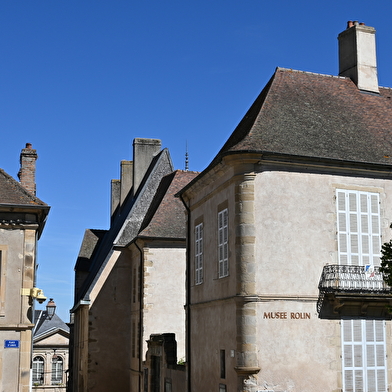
{"points": [[166, 216], [12, 192], [313, 115]]}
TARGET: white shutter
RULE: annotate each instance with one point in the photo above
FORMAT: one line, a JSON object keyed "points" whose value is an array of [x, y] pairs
{"points": [[358, 220], [364, 356]]}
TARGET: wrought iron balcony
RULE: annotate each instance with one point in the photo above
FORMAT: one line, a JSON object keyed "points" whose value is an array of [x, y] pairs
{"points": [[353, 286]]}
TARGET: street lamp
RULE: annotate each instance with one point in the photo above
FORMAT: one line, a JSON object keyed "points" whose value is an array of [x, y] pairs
{"points": [[50, 309]]}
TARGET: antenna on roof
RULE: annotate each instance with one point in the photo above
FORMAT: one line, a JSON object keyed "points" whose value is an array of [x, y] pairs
{"points": [[186, 157]]}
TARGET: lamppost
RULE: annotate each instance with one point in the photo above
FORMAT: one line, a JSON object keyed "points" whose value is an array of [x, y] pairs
{"points": [[50, 309]]}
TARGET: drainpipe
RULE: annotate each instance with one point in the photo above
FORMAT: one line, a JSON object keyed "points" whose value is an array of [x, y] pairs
{"points": [[188, 296], [140, 313]]}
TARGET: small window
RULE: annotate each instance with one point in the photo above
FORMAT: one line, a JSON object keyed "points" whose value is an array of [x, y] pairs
{"points": [[168, 385], [222, 388], [199, 254], [223, 248], [222, 364], [38, 370], [133, 339], [134, 285]]}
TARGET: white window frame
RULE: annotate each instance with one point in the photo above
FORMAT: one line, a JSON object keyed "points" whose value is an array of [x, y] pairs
{"points": [[364, 361], [223, 243], [57, 371], [38, 376], [199, 254]]}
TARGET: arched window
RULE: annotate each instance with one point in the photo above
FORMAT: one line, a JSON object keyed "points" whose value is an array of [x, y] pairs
{"points": [[57, 370], [38, 370]]}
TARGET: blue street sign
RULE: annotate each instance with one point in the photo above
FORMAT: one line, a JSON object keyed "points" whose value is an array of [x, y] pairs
{"points": [[11, 343]]}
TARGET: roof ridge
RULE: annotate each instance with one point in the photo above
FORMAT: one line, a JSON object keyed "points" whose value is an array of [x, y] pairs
{"points": [[311, 73]]}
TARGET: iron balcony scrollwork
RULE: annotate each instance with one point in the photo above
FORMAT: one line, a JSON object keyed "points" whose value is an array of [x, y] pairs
{"points": [[351, 279]]}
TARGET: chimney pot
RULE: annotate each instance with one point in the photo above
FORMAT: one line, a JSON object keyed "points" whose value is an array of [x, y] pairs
{"points": [[350, 23]]}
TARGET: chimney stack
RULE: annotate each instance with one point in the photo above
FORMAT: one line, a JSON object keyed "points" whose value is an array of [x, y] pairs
{"points": [[144, 150], [357, 56], [26, 174]]}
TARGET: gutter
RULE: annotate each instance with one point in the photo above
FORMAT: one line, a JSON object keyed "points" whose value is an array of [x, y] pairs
{"points": [[188, 297], [140, 338]]}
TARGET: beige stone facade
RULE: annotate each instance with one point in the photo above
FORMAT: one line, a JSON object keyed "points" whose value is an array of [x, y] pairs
{"points": [[22, 218], [130, 279], [284, 291]]}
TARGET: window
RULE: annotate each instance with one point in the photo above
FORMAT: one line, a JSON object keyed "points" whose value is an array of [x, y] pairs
{"points": [[133, 338], [38, 370], [223, 250], [364, 356], [222, 388], [222, 364], [168, 384], [199, 254], [359, 243], [359, 238], [134, 285], [57, 370]]}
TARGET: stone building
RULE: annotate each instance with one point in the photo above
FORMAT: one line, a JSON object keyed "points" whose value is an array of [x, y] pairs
{"points": [[50, 353], [22, 219], [129, 279], [284, 291]]}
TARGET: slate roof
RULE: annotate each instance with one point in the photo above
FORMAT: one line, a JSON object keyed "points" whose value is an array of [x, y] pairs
{"points": [[45, 327], [166, 215], [12, 192], [125, 226], [319, 116], [91, 239]]}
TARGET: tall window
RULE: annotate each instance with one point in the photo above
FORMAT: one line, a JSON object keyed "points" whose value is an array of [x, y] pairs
{"points": [[359, 243], [133, 338], [223, 249], [57, 371], [38, 370], [358, 227], [364, 356], [199, 254]]}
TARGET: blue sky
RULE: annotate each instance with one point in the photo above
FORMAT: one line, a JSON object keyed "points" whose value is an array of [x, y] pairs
{"points": [[81, 79]]}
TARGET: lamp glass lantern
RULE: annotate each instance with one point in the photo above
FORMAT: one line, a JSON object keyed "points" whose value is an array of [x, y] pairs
{"points": [[50, 309]]}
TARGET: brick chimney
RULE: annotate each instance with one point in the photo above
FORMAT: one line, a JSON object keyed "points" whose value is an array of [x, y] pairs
{"points": [[357, 56], [26, 174]]}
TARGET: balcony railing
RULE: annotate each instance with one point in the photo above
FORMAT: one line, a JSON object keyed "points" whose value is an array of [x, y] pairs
{"points": [[352, 280]]}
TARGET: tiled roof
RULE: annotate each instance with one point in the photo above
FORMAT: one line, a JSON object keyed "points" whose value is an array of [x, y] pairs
{"points": [[12, 192], [166, 216], [317, 116]]}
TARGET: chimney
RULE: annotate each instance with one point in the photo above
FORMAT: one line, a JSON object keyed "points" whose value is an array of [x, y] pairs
{"points": [[357, 56], [144, 151], [26, 174], [115, 196], [126, 179]]}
